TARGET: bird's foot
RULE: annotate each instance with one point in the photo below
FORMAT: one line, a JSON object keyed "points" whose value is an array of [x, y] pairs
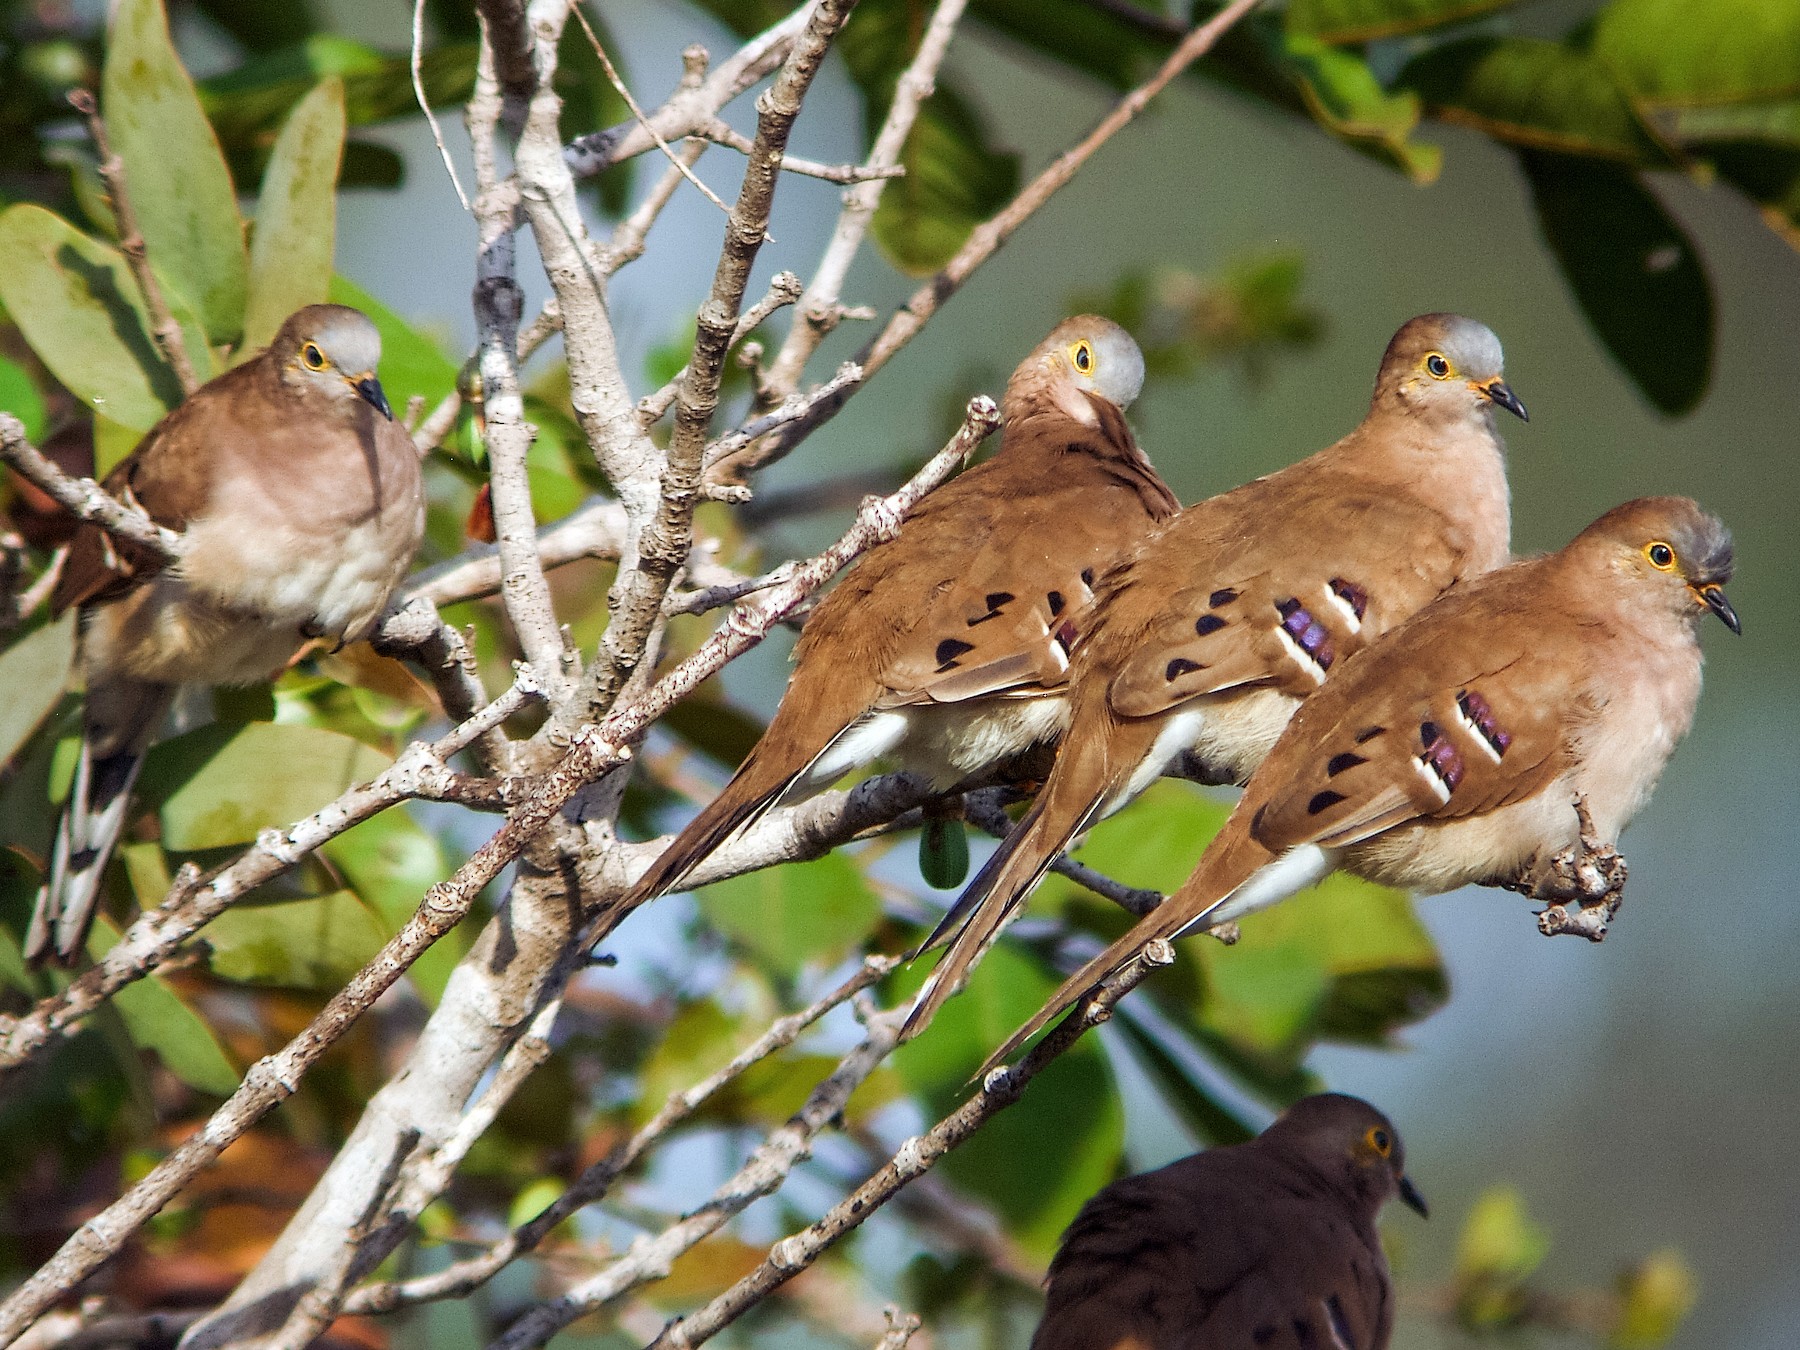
{"points": [[1590, 873]]}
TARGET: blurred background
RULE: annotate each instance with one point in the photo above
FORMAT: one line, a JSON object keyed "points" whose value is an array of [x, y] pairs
{"points": [[1639, 1095]]}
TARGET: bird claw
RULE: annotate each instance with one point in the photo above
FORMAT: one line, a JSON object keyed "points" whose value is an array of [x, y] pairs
{"points": [[1591, 873]]}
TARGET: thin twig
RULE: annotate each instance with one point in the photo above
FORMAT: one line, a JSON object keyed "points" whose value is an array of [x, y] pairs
{"points": [[819, 311], [627, 243], [721, 132], [418, 84], [83, 497], [466, 1275], [163, 327], [793, 1254], [987, 237], [986, 815], [784, 289], [613, 76]]}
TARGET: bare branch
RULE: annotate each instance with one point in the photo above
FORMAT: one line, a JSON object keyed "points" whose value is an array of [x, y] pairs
{"points": [[627, 242], [999, 1090], [784, 289], [593, 530], [83, 497], [466, 1275], [695, 102], [987, 237], [902, 1327], [819, 312], [163, 327], [987, 816], [797, 407], [663, 545], [721, 132]]}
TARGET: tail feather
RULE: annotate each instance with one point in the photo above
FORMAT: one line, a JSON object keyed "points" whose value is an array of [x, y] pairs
{"points": [[1231, 860], [117, 728], [1088, 771], [742, 800]]}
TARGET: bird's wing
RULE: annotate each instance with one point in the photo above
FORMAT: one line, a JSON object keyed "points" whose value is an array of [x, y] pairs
{"points": [[1272, 584], [169, 477], [1456, 713]]}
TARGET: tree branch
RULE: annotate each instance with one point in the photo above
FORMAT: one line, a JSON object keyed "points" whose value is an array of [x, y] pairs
{"points": [[83, 497]]}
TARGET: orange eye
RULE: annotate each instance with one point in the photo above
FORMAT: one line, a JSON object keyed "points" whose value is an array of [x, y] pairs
{"points": [[313, 357], [1379, 1140], [1661, 556]]}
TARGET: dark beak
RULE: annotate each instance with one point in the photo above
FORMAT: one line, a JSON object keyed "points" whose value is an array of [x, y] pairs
{"points": [[1714, 598], [1410, 1197], [370, 389], [1499, 391]]}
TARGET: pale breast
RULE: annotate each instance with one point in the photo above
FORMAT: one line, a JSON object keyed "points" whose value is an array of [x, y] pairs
{"points": [[1431, 856]]}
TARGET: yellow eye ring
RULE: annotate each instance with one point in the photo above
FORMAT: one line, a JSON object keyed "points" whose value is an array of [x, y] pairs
{"points": [[1661, 556], [1379, 1140], [1081, 356], [313, 358], [1437, 367]]}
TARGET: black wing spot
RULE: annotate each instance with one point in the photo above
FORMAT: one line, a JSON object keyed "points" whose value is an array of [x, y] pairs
{"points": [[995, 599], [1208, 623], [1223, 596], [1322, 801], [1257, 820], [1348, 760], [1056, 603], [1368, 734], [1351, 594], [949, 649], [1181, 666], [1065, 635], [1429, 733], [1340, 1325], [1087, 577]]}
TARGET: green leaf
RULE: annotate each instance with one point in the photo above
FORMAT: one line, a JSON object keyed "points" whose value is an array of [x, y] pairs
{"points": [[954, 181], [159, 1020], [77, 305], [1633, 271], [1655, 1298], [1038, 1161], [798, 912], [33, 671], [1366, 20], [1541, 94], [317, 943], [1500, 1239], [391, 861], [175, 171], [1344, 97], [1686, 52], [219, 785], [19, 396], [296, 216], [943, 853], [411, 363]]}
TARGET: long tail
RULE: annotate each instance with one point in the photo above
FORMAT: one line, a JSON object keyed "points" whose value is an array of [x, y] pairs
{"points": [[1089, 770], [751, 791], [117, 726], [1230, 865]]}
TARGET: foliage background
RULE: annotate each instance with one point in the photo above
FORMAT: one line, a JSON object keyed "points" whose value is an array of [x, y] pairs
{"points": [[1634, 1092]]}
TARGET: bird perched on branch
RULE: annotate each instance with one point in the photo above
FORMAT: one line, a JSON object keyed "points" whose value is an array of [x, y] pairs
{"points": [[1210, 634], [1265, 1245], [300, 507], [1504, 736], [946, 646]]}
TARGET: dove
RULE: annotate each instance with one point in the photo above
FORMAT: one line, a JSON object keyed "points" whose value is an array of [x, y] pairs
{"points": [[1503, 736], [1204, 641], [299, 500], [946, 646], [1264, 1245]]}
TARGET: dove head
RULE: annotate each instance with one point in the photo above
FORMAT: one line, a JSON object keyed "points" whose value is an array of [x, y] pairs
{"points": [[1350, 1146], [331, 352], [1445, 367], [1084, 357], [1669, 551]]}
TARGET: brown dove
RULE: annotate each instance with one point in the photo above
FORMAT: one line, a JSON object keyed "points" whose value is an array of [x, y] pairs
{"points": [[1205, 640], [946, 647], [1504, 736], [1265, 1245], [299, 501]]}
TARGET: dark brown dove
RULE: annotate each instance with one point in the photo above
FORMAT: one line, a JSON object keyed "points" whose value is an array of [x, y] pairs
{"points": [[1504, 736], [1210, 634], [299, 501], [1266, 1245], [946, 646]]}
